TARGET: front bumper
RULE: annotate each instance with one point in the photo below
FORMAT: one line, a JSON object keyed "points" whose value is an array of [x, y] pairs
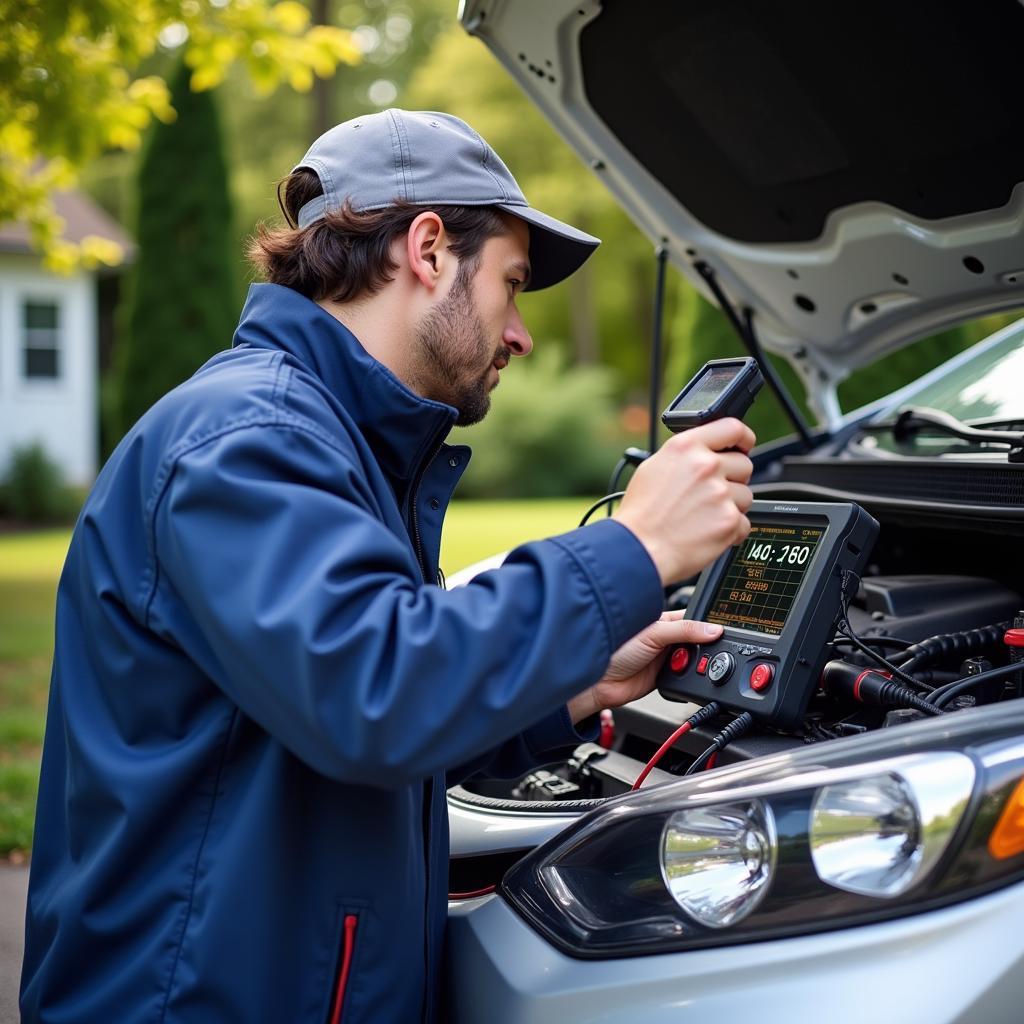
{"points": [[963, 963]]}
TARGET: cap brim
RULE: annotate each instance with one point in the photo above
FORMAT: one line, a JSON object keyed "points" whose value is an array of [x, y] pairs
{"points": [[556, 249]]}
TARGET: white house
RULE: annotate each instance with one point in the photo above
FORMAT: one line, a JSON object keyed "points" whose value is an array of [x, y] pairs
{"points": [[50, 344]]}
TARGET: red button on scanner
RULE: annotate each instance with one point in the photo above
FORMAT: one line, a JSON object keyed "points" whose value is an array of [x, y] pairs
{"points": [[761, 677], [702, 665], [679, 660]]}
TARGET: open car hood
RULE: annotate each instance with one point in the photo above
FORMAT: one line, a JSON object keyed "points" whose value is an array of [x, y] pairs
{"points": [[852, 173]]}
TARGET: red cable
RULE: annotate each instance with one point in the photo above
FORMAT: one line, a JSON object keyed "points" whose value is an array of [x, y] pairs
{"points": [[684, 728], [711, 761], [473, 894]]}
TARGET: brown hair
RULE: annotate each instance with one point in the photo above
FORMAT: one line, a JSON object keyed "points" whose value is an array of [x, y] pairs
{"points": [[347, 254]]}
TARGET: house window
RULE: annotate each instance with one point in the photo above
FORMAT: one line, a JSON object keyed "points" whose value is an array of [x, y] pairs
{"points": [[41, 336]]}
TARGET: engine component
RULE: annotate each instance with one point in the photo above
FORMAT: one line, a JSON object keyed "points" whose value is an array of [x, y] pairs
{"points": [[869, 686], [545, 785]]}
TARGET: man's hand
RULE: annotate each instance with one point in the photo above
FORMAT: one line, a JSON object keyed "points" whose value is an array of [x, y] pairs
{"points": [[634, 666], [687, 503]]}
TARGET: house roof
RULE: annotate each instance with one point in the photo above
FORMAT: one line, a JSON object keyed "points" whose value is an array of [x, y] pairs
{"points": [[82, 218]]}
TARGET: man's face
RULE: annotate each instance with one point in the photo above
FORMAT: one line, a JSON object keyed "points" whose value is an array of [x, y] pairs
{"points": [[473, 332]]}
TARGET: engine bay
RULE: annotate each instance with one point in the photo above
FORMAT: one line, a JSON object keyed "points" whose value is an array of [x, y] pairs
{"points": [[938, 601]]}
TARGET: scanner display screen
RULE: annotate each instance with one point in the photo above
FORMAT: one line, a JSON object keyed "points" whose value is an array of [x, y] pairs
{"points": [[764, 576], [708, 387]]}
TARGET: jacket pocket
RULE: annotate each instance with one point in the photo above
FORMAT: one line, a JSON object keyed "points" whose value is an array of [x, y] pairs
{"points": [[346, 953]]}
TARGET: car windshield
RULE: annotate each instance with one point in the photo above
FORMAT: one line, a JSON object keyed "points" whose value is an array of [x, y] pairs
{"points": [[987, 388]]}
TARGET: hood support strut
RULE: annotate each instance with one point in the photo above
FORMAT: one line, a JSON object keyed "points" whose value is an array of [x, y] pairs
{"points": [[661, 255], [745, 329]]}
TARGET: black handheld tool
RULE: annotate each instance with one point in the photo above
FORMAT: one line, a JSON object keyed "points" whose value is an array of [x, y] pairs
{"points": [[723, 387]]}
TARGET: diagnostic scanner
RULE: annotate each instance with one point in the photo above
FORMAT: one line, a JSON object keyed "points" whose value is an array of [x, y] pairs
{"points": [[778, 596], [723, 387]]}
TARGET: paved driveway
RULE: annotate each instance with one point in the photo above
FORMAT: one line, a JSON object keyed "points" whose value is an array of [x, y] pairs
{"points": [[13, 886]]}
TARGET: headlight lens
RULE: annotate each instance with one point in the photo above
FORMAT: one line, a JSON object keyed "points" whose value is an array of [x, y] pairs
{"points": [[717, 861], [861, 830], [866, 836]]}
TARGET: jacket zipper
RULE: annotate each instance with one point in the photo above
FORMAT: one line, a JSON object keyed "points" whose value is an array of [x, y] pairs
{"points": [[428, 786], [414, 494], [347, 948]]}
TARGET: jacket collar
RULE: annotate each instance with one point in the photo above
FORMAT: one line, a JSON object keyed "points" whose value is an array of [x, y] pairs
{"points": [[402, 428]]}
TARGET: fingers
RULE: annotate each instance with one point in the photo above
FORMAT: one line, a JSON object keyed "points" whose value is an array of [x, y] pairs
{"points": [[736, 466], [742, 496], [741, 532], [685, 631], [721, 434]]}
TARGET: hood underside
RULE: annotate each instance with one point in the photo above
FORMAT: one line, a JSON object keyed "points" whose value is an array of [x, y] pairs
{"points": [[853, 173]]}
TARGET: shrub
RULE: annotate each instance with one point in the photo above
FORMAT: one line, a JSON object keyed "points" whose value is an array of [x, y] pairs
{"points": [[179, 306], [34, 489], [552, 431]]}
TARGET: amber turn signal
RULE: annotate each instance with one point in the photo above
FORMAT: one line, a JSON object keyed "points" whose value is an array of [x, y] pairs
{"points": [[1007, 838]]}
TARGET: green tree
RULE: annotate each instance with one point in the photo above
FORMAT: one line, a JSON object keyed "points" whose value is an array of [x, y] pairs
{"points": [[67, 91], [180, 305]]}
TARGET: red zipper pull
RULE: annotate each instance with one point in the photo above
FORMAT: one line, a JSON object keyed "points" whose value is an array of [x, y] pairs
{"points": [[348, 947]]}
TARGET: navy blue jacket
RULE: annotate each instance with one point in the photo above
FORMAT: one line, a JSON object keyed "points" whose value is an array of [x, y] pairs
{"points": [[256, 696]]}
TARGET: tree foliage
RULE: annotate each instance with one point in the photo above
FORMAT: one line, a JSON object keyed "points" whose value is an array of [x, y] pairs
{"points": [[181, 305], [552, 431], [67, 90]]}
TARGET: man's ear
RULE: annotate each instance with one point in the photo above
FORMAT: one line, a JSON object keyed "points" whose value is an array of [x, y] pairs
{"points": [[427, 249]]}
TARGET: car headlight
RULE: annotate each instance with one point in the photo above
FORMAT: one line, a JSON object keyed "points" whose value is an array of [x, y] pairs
{"points": [[717, 861], [862, 829]]}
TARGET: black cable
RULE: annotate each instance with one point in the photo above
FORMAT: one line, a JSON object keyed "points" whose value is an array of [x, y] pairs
{"points": [[876, 641], [899, 674], [736, 728], [944, 694], [613, 480], [844, 627], [597, 504], [951, 646], [630, 457]]}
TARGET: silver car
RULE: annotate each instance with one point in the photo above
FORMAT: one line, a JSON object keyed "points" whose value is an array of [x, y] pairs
{"points": [[841, 180]]}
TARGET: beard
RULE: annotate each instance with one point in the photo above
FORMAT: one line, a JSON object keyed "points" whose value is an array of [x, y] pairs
{"points": [[456, 358]]}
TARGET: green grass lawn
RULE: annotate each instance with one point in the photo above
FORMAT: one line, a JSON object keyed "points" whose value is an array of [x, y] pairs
{"points": [[30, 564]]}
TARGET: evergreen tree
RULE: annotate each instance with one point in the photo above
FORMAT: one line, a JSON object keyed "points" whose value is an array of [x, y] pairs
{"points": [[180, 304]]}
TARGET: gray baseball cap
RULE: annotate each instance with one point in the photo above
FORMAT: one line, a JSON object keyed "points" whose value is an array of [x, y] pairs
{"points": [[433, 159]]}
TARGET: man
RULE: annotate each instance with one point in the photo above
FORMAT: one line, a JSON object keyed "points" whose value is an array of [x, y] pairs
{"points": [[259, 692]]}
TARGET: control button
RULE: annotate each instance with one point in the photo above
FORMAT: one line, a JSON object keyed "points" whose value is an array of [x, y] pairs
{"points": [[761, 677], [679, 660], [1014, 637], [721, 667], [702, 664]]}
